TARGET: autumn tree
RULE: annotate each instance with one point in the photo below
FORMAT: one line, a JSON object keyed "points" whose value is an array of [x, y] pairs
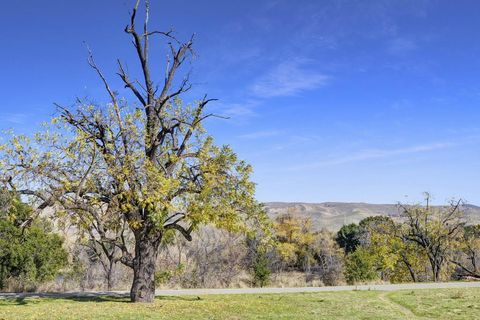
{"points": [[436, 230], [302, 248], [143, 169], [396, 258], [295, 240]]}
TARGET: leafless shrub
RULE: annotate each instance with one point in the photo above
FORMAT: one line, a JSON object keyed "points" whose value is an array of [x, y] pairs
{"points": [[214, 258]]}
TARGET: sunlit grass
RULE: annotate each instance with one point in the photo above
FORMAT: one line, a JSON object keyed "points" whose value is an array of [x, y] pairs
{"points": [[432, 304]]}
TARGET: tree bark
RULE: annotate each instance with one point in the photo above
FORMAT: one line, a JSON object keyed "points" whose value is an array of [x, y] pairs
{"points": [[144, 267]]}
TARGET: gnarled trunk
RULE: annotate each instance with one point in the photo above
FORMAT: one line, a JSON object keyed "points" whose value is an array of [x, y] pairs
{"points": [[143, 287]]}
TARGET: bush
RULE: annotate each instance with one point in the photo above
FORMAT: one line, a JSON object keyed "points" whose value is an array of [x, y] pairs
{"points": [[29, 254], [163, 277], [360, 266], [329, 259]]}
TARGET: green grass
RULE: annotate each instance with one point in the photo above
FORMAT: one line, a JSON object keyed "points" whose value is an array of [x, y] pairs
{"points": [[418, 304]]}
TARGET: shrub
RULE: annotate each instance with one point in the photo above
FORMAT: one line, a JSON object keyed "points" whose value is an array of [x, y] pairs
{"points": [[29, 253], [360, 266]]}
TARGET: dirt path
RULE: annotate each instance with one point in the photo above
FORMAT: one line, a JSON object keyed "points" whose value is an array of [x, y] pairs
{"points": [[200, 292], [405, 311]]}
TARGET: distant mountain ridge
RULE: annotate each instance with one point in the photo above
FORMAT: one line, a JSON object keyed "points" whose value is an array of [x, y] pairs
{"points": [[332, 215]]}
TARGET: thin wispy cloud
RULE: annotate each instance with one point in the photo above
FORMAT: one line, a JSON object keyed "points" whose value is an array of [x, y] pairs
{"points": [[240, 112], [288, 79], [373, 154], [261, 134], [15, 118], [376, 154]]}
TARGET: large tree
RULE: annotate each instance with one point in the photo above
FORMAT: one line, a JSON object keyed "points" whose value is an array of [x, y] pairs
{"points": [[135, 170]]}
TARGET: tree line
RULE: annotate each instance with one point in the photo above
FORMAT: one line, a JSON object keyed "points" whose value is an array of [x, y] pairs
{"points": [[422, 243]]}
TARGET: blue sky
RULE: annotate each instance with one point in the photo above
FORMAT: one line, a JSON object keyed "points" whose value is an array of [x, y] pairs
{"points": [[372, 101]]}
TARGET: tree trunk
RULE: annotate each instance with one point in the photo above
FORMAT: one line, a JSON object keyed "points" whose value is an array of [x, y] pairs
{"points": [[437, 274], [110, 280], [435, 268], [143, 287], [409, 266]]}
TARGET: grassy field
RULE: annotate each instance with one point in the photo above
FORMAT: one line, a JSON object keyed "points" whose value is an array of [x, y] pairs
{"points": [[417, 304]]}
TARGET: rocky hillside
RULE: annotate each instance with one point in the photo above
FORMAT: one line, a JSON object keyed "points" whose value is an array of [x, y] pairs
{"points": [[332, 215]]}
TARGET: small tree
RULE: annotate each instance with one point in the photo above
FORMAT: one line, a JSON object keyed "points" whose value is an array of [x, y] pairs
{"points": [[261, 255], [144, 169], [260, 268]]}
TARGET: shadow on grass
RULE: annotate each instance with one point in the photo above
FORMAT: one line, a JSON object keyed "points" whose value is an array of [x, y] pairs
{"points": [[93, 297]]}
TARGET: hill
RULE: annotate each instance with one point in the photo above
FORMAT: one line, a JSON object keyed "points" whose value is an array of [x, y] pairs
{"points": [[332, 215]]}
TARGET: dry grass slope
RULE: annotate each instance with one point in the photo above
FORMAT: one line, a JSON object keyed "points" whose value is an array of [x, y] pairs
{"points": [[332, 215]]}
